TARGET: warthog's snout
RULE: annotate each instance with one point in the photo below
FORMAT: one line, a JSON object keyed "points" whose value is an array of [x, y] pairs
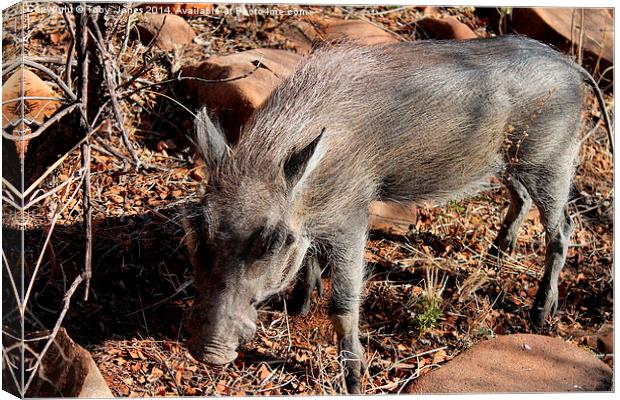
{"points": [[211, 352], [216, 342]]}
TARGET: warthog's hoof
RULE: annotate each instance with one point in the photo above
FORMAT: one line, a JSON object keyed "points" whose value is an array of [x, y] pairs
{"points": [[546, 303], [537, 318]]}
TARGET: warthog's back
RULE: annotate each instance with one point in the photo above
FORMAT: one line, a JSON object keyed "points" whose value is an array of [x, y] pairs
{"points": [[416, 121]]}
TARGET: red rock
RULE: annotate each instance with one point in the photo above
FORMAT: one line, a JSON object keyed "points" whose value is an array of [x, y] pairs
{"points": [[561, 27], [26, 83], [174, 33], [304, 34], [392, 217], [518, 363], [445, 28], [233, 102], [69, 371]]}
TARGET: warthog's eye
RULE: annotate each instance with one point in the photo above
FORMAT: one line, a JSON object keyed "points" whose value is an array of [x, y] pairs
{"points": [[266, 241]]}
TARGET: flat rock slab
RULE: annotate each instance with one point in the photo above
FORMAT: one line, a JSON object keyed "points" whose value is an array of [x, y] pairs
{"points": [[518, 363], [309, 33], [68, 370], [238, 84], [562, 27]]}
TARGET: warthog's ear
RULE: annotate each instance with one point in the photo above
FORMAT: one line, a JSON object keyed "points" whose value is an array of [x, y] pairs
{"points": [[191, 221], [211, 141], [303, 161]]}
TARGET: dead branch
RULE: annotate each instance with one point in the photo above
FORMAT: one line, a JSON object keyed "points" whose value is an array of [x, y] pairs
{"points": [[49, 170], [26, 98], [180, 78], [108, 78], [145, 64], [126, 40], [115, 153], [71, 51], [48, 193], [87, 216], [83, 50], [57, 212], [38, 59]]}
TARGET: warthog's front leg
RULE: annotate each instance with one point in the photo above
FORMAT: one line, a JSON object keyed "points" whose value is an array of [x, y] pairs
{"points": [[520, 205], [347, 275]]}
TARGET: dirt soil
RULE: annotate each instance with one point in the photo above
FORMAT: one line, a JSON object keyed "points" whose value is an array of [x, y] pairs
{"points": [[141, 286]]}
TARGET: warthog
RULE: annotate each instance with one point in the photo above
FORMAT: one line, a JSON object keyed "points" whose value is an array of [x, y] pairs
{"points": [[408, 122]]}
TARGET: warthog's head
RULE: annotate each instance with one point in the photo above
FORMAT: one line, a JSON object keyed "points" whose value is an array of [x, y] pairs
{"points": [[245, 241]]}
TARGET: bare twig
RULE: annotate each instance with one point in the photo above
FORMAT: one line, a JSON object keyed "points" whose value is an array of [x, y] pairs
{"points": [[181, 288], [582, 32], [180, 78], [56, 213], [5, 262], [48, 193], [87, 216], [71, 51], [602, 75], [591, 131], [108, 78], [37, 59], [25, 98], [114, 153], [49, 170], [81, 33], [145, 64], [123, 48]]}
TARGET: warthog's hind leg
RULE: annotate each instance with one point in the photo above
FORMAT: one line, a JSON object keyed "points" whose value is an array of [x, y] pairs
{"points": [[309, 278]]}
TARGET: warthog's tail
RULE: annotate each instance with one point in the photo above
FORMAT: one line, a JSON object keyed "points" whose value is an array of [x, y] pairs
{"points": [[589, 80]]}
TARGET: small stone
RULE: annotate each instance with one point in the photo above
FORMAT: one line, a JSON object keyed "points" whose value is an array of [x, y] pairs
{"points": [[175, 31], [445, 28]]}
